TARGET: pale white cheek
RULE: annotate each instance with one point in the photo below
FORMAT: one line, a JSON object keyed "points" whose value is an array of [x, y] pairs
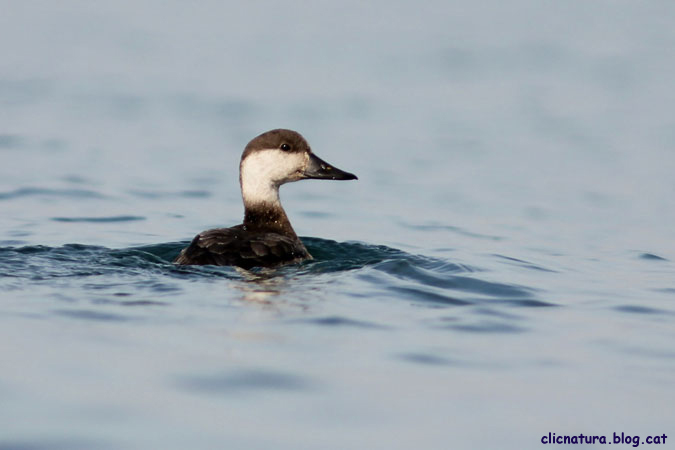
{"points": [[263, 172]]}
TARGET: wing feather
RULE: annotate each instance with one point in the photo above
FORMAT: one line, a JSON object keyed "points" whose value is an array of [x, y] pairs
{"points": [[236, 247]]}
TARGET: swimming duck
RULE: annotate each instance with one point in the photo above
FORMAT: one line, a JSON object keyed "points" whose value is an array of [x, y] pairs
{"points": [[266, 237]]}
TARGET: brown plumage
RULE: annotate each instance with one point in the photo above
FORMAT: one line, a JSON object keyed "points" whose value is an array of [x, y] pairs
{"points": [[238, 247]]}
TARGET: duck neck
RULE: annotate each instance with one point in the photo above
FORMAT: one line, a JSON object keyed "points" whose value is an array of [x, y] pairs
{"points": [[267, 214], [267, 217], [262, 206]]}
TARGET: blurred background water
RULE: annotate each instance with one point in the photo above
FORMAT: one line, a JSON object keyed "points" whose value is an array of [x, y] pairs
{"points": [[502, 269]]}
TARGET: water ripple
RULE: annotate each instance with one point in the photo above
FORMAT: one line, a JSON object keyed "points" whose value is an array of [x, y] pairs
{"points": [[55, 444], [414, 277], [11, 141], [44, 192], [98, 219], [487, 327], [244, 380], [639, 309], [524, 264], [92, 315], [422, 294], [652, 257], [407, 270], [337, 321], [427, 359], [153, 195], [454, 229]]}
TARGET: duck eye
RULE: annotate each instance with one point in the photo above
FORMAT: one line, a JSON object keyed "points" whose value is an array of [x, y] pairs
{"points": [[285, 147]]}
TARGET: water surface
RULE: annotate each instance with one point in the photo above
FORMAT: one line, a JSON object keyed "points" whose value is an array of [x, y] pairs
{"points": [[503, 267]]}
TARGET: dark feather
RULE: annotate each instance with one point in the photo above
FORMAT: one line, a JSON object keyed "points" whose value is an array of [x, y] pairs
{"points": [[243, 248]]}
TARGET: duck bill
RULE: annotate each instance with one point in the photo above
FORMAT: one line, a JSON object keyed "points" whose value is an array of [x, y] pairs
{"points": [[319, 169]]}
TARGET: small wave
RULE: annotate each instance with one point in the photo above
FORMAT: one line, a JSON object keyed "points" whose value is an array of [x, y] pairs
{"points": [[39, 262], [11, 141], [338, 321], [453, 229], [652, 257], [427, 359], [92, 315], [665, 290], [425, 294], [55, 444], [406, 269], [44, 192], [488, 327], [522, 263], [98, 219], [639, 309], [329, 256], [164, 194], [526, 303], [244, 380], [392, 272]]}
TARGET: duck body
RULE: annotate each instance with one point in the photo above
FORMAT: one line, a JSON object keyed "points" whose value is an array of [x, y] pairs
{"points": [[266, 237], [237, 246]]}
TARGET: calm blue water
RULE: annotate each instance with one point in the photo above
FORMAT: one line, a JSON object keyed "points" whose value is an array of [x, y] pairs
{"points": [[502, 269]]}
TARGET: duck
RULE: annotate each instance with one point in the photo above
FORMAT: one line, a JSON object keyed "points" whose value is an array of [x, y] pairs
{"points": [[265, 238]]}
